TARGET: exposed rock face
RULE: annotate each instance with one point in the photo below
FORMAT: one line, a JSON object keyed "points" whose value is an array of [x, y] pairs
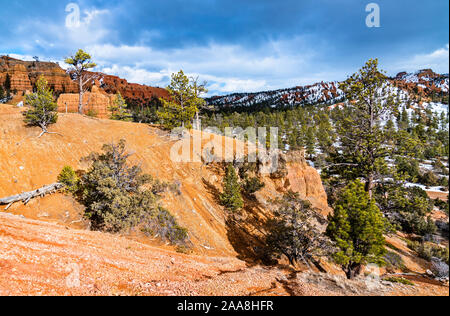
{"points": [[131, 91], [305, 180], [24, 75], [97, 103]]}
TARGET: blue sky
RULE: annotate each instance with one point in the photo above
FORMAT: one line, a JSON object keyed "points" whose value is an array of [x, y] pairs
{"points": [[245, 45]]}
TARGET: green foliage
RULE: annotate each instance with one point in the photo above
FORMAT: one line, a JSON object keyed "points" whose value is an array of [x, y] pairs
{"points": [[357, 226], [2, 93], [409, 168], [165, 226], [119, 109], [81, 61], [394, 261], [231, 197], [399, 280], [407, 207], [183, 104], [294, 231], [69, 178], [7, 85], [252, 185], [428, 251], [363, 140], [429, 179], [116, 199], [43, 109], [92, 113]]}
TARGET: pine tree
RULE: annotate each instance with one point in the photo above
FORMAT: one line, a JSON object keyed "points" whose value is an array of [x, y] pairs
{"points": [[357, 227], [2, 93], [81, 63], [310, 140], [119, 109], [7, 85], [231, 197], [43, 109], [294, 232], [183, 104], [362, 136]]}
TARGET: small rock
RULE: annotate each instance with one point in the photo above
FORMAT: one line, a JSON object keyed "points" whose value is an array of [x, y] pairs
{"points": [[429, 273]]}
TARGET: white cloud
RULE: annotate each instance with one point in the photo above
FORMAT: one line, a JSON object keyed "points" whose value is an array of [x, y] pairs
{"points": [[437, 60], [227, 68]]}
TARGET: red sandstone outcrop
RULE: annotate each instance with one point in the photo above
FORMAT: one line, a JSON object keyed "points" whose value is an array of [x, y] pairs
{"points": [[97, 103], [24, 75]]}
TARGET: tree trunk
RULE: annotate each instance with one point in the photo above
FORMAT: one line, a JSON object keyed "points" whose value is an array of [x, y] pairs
{"points": [[352, 270], [27, 196], [80, 104], [369, 185]]}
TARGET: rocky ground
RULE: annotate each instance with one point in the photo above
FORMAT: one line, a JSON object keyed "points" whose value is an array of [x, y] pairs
{"points": [[47, 249], [41, 258]]}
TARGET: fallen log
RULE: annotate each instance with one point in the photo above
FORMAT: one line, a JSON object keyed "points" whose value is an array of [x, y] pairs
{"points": [[27, 196]]}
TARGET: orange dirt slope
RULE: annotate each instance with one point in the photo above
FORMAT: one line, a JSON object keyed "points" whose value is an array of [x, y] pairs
{"points": [[27, 163]]}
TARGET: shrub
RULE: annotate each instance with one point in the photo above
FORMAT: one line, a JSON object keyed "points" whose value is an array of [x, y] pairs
{"points": [[252, 185], [43, 109], [394, 261], [164, 226], [92, 113], [116, 200], [293, 232], [429, 179], [69, 178], [428, 251], [231, 197], [407, 207], [399, 280], [408, 167]]}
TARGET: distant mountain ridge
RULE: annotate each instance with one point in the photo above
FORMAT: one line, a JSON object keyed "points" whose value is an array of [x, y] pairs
{"points": [[422, 84]]}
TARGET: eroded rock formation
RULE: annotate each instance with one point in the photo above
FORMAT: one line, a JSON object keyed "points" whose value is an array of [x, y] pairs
{"points": [[24, 75]]}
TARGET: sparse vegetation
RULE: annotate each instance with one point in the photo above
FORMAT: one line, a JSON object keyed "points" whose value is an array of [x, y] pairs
{"points": [[294, 231], [357, 227], [81, 62], [119, 197], [231, 197], [119, 110], [43, 109], [428, 250], [69, 178], [399, 280], [184, 102]]}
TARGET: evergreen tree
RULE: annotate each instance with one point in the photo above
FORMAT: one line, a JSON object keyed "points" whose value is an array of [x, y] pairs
{"points": [[43, 109], [231, 197], [183, 104], [357, 227], [81, 63], [294, 232], [119, 109], [362, 136], [7, 85], [2, 93], [112, 191]]}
